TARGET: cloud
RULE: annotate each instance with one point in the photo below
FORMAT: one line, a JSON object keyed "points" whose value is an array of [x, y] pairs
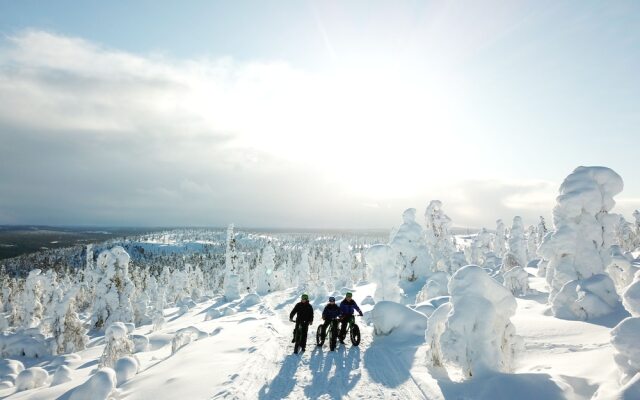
{"points": [[480, 202], [93, 135]]}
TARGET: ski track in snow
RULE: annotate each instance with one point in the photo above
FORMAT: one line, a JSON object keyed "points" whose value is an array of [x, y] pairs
{"points": [[272, 371]]}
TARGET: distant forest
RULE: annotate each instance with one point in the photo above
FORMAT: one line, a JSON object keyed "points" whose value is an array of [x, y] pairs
{"points": [[19, 240]]}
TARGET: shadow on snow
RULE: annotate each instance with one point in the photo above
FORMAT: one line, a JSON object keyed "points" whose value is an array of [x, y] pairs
{"points": [[389, 361], [282, 385], [343, 363]]}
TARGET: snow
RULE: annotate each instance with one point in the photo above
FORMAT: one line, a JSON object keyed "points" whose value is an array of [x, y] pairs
{"points": [[31, 378], [125, 368], [248, 355], [381, 259], [393, 318], [63, 374], [98, 387], [476, 334], [577, 252], [477, 342]]}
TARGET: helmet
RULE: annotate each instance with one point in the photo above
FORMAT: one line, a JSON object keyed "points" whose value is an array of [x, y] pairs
{"points": [[349, 294], [305, 297], [332, 299]]}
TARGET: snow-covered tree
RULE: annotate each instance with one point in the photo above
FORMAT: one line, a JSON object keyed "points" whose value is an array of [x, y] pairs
{"points": [[516, 280], [473, 334], [117, 344], [32, 299], [517, 243], [541, 231], [67, 328], [114, 289], [499, 241], [438, 239], [384, 273], [411, 249], [480, 247], [577, 251], [264, 270], [302, 274]]}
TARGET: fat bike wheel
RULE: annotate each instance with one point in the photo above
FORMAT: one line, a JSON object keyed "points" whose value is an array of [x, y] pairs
{"points": [[355, 335], [319, 339], [333, 338]]}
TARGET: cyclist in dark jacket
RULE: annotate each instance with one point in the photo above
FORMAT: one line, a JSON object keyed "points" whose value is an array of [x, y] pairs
{"points": [[347, 307], [330, 314], [304, 310]]}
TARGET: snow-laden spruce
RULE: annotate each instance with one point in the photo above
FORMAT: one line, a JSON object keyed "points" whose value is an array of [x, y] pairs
{"points": [[231, 278], [439, 240], [473, 333], [264, 270], [410, 246], [517, 245], [577, 251], [114, 289], [381, 258], [499, 240]]}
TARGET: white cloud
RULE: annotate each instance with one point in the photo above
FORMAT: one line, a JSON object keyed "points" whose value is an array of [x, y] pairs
{"points": [[97, 135]]}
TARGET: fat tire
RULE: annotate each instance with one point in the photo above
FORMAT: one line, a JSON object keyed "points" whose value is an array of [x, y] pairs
{"points": [[319, 339], [355, 335], [333, 339]]}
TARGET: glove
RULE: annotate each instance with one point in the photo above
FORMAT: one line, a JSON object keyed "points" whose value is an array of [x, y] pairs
{"points": [[360, 314], [291, 319], [310, 322]]}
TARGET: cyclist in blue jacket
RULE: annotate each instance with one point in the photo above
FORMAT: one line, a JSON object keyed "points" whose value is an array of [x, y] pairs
{"points": [[329, 314], [347, 307]]}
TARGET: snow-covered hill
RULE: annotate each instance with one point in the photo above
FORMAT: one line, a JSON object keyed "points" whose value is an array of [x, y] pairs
{"points": [[520, 313], [247, 354]]}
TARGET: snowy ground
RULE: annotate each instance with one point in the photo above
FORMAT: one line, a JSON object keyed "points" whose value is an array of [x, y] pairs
{"points": [[248, 355]]}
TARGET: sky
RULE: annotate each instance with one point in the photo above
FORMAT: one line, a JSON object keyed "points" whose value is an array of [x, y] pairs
{"points": [[311, 114]]}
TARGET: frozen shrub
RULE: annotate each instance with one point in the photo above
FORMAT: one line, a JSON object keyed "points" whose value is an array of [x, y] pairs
{"points": [[117, 344], [516, 280], [185, 336]]}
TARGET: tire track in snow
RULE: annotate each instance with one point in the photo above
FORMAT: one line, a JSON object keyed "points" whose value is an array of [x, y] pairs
{"points": [[369, 371]]}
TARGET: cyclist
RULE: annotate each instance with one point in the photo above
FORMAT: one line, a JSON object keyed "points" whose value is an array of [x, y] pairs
{"points": [[304, 319], [347, 307], [329, 314]]}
